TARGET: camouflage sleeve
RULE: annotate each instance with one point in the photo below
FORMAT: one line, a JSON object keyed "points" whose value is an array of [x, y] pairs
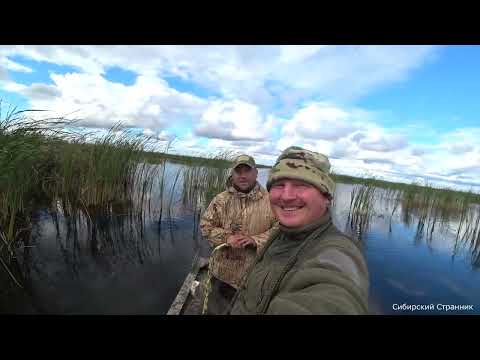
{"points": [[210, 224]]}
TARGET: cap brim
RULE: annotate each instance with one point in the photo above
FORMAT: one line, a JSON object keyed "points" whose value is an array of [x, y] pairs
{"points": [[243, 163]]}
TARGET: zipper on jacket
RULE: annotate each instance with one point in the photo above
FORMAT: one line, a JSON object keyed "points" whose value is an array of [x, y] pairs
{"points": [[262, 286]]}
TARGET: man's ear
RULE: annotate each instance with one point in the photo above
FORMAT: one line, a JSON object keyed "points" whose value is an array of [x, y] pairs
{"points": [[329, 198]]}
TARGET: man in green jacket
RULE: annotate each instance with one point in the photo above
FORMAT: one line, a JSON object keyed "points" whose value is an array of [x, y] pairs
{"points": [[307, 266]]}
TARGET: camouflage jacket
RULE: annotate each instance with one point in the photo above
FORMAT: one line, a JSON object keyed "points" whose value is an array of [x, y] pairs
{"points": [[233, 212]]}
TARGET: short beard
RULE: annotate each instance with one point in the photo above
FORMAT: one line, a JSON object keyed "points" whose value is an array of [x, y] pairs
{"points": [[244, 191]]}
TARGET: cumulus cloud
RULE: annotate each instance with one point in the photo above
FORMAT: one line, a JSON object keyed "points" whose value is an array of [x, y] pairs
{"points": [[383, 143], [148, 132], [417, 151], [3, 74], [321, 121], [470, 169], [97, 102], [291, 54], [338, 72], [456, 153], [339, 132], [165, 136], [343, 148], [14, 66], [461, 148], [459, 139], [358, 137], [379, 161], [41, 92], [359, 146], [233, 120], [372, 150], [347, 72]]}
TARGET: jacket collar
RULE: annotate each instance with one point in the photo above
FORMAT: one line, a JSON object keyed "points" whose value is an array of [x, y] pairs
{"points": [[302, 232]]}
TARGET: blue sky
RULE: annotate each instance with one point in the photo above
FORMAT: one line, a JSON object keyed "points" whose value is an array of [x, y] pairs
{"points": [[438, 93], [402, 113]]}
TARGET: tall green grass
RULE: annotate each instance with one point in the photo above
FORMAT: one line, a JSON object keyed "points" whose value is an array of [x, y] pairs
{"points": [[201, 181], [92, 175], [429, 207], [445, 193], [26, 164], [362, 199], [436, 207], [46, 163]]}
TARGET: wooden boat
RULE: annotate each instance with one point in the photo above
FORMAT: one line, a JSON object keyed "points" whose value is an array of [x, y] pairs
{"points": [[190, 297]]}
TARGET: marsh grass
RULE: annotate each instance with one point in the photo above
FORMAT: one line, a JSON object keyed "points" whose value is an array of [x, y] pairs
{"points": [[425, 207], [437, 208], [202, 182], [47, 163], [361, 208], [25, 163], [468, 232]]}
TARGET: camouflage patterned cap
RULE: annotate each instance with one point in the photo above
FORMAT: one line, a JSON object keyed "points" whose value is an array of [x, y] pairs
{"points": [[300, 164], [243, 159]]}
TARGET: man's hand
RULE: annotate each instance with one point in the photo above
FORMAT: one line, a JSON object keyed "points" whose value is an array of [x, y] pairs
{"points": [[234, 240], [240, 240], [247, 240]]}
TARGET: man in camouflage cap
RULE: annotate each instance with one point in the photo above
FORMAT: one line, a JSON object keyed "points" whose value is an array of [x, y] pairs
{"points": [[242, 218], [307, 266]]}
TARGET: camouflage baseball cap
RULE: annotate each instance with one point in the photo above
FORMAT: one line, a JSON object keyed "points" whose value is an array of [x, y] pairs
{"points": [[243, 159], [300, 164]]}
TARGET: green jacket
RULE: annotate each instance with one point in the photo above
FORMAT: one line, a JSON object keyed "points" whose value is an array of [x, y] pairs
{"points": [[317, 270]]}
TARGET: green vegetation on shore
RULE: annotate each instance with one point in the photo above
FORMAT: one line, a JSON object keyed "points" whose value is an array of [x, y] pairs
{"points": [[213, 160], [446, 193]]}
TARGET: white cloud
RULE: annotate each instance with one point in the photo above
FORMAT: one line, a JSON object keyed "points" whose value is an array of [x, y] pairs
{"points": [[14, 66], [327, 128], [148, 132], [382, 142], [462, 136], [14, 87], [418, 151], [456, 154], [347, 72], [472, 169], [352, 139], [461, 148], [97, 102], [241, 72], [3, 74], [321, 121], [233, 120], [41, 92], [264, 152], [189, 144], [297, 53]]}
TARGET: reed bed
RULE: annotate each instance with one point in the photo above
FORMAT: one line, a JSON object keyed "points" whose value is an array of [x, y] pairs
{"points": [[48, 163]]}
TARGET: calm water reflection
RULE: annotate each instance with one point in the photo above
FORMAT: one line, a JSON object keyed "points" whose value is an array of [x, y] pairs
{"points": [[132, 268]]}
